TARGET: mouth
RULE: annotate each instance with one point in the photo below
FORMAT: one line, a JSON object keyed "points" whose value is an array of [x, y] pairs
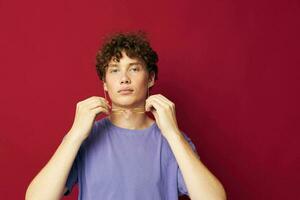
{"points": [[128, 91]]}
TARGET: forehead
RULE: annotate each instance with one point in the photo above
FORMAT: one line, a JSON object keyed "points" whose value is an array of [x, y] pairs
{"points": [[125, 60]]}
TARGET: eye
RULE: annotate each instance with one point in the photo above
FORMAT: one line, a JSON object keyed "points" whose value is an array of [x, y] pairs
{"points": [[135, 69], [113, 70]]}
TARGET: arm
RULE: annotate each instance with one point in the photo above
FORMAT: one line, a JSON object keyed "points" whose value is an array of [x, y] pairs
{"points": [[200, 182], [50, 182]]}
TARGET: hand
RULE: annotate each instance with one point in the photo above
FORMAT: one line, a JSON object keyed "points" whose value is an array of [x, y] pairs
{"points": [[86, 113], [164, 113]]}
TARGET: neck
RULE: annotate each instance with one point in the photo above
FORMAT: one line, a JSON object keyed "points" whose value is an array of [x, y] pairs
{"points": [[130, 118]]}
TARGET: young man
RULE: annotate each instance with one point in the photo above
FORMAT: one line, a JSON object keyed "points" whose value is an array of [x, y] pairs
{"points": [[127, 154]]}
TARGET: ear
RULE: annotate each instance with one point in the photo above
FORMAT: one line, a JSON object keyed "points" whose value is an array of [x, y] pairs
{"points": [[151, 79]]}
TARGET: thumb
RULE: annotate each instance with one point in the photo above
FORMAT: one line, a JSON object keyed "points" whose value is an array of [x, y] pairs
{"points": [[155, 114]]}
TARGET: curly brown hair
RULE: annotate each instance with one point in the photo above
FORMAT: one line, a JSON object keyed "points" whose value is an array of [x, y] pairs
{"points": [[135, 45]]}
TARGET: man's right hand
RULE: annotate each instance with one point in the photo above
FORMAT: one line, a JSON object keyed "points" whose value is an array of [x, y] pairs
{"points": [[86, 113]]}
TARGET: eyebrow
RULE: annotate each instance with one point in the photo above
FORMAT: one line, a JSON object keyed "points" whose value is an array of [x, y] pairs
{"points": [[130, 64]]}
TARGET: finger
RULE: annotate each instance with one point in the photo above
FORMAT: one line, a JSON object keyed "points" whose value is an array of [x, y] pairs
{"points": [[169, 105], [162, 102], [148, 105], [100, 98], [155, 114], [103, 101], [100, 109], [93, 98], [154, 103], [98, 103], [165, 99], [158, 96]]}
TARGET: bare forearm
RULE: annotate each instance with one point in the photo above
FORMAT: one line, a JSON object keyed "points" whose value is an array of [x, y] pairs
{"points": [[49, 183], [200, 182]]}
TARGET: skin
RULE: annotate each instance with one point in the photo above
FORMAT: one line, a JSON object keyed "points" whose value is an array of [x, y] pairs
{"points": [[132, 72], [129, 72], [200, 182], [49, 183]]}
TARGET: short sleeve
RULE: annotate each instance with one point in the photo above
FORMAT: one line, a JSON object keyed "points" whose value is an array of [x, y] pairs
{"points": [[182, 189], [72, 178], [73, 174]]}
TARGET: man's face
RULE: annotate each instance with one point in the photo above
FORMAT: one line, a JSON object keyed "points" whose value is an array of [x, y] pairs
{"points": [[130, 74]]}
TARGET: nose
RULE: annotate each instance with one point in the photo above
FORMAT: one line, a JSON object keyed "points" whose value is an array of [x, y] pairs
{"points": [[125, 79]]}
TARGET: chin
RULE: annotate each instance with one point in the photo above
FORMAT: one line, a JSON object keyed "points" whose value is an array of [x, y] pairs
{"points": [[126, 102]]}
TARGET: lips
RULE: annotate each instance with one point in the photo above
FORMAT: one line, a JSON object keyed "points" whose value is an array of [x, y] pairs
{"points": [[126, 90]]}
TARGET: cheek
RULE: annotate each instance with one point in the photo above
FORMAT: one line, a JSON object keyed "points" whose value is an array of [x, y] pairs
{"points": [[143, 79], [142, 84], [142, 87], [110, 85]]}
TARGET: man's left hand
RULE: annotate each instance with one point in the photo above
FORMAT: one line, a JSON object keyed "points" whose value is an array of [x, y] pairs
{"points": [[164, 113]]}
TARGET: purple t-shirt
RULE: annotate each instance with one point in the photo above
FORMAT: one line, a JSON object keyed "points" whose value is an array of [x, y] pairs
{"points": [[117, 163]]}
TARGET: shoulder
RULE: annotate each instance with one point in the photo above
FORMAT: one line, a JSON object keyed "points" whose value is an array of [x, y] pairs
{"points": [[191, 143], [98, 126]]}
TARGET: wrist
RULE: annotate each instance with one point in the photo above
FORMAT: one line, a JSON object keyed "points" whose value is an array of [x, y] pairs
{"points": [[74, 137], [174, 136]]}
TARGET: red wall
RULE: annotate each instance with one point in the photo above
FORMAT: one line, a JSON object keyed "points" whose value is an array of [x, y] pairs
{"points": [[230, 67]]}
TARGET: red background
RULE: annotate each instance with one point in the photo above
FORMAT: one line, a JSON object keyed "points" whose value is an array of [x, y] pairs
{"points": [[230, 67]]}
